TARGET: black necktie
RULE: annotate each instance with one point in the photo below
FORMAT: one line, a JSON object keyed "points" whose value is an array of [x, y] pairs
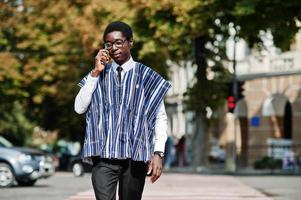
{"points": [[119, 69]]}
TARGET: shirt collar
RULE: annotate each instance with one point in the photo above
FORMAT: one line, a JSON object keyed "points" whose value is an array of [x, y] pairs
{"points": [[127, 66]]}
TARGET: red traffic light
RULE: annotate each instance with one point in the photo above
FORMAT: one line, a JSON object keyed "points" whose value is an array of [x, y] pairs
{"points": [[231, 99], [231, 103]]}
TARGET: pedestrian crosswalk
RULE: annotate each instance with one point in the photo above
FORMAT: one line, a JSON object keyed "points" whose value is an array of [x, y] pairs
{"points": [[192, 187]]}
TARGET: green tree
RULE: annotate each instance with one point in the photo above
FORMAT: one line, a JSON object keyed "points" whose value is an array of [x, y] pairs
{"points": [[46, 47], [14, 124], [198, 30], [189, 30]]}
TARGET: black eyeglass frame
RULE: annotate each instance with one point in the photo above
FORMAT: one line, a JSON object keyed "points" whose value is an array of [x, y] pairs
{"points": [[109, 45]]}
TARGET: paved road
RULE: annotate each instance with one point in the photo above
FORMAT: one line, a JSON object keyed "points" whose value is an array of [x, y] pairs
{"points": [[59, 187], [64, 186], [192, 187], [277, 187]]}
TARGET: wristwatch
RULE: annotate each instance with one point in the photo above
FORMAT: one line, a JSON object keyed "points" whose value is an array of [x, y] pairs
{"points": [[159, 153]]}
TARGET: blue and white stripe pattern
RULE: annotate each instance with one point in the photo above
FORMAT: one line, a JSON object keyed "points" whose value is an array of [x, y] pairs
{"points": [[121, 117]]}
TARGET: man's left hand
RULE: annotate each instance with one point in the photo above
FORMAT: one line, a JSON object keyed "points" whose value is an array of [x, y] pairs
{"points": [[155, 168]]}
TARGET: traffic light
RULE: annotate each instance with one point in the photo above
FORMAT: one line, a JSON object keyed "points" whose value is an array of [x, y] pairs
{"points": [[231, 104], [240, 90], [235, 93]]}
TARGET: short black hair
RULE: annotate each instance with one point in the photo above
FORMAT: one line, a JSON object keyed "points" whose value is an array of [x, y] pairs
{"points": [[119, 26]]}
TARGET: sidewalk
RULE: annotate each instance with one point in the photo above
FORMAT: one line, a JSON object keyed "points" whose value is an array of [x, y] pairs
{"points": [[192, 187], [250, 171]]}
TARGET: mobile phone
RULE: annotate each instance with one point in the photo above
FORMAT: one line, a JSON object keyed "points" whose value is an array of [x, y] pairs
{"points": [[108, 54], [104, 62]]}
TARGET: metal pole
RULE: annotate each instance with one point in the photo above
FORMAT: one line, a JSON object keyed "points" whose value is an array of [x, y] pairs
{"points": [[235, 93]]}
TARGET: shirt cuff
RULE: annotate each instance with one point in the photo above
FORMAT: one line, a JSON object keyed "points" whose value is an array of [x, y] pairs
{"points": [[91, 83], [159, 145]]}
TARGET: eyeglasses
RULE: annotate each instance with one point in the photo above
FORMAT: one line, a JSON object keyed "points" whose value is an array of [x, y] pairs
{"points": [[118, 44]]}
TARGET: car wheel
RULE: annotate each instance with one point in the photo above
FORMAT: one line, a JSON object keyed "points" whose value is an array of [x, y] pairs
{"points": [[78, 169], [26, 183], [7, 176]]}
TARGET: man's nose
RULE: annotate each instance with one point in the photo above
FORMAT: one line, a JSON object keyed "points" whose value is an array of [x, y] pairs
{"points": [[114, 47]]}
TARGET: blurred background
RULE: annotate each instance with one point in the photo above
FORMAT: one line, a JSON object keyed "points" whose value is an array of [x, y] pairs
{"points": [[235, 67]]}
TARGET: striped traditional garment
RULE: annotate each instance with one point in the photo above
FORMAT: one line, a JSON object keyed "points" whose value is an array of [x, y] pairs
{"points": [[121, 117]]}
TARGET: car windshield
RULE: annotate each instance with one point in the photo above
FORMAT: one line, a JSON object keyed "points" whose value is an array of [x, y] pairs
{"points": [[4, 142]]}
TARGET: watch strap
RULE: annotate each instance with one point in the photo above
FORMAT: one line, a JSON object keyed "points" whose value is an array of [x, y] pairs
{"points": [[159, 153]]}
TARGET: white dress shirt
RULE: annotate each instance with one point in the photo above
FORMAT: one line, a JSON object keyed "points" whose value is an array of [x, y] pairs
{"points": [[83, 99]]}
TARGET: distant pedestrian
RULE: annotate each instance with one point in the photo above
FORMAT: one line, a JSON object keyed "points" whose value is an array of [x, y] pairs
{"points": [[181, 151], [125, 113], [169, 152]]}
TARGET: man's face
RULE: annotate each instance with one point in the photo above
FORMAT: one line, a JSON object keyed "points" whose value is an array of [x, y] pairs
{"points": [[118, 46]]}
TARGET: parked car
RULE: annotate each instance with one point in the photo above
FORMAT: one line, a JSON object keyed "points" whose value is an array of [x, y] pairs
{"points": [[78, 167], [23, 165]]}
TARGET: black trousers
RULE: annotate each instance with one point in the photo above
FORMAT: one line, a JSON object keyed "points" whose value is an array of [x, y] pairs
{"points": [[130, 176]]}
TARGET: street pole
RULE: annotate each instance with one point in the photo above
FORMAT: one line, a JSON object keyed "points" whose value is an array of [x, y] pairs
{"points": [[235, 93]]}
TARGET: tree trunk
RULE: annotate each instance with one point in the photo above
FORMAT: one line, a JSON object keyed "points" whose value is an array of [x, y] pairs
{"points": [[200, 137], [199, 142]]}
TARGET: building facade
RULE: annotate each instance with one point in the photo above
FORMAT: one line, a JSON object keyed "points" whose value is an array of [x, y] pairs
{"points": [[266, 122]]}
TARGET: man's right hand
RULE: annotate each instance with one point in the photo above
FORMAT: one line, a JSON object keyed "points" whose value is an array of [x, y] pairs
{"points": [[101, 59]]}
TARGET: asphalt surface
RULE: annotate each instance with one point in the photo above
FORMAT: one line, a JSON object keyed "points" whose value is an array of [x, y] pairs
{"points": [[171, 186], [192, 187], [58, 187], [277, 187]]}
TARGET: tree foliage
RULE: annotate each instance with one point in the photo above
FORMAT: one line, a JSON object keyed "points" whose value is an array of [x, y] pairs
{"points": [[198, 30], [46, 47]]}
